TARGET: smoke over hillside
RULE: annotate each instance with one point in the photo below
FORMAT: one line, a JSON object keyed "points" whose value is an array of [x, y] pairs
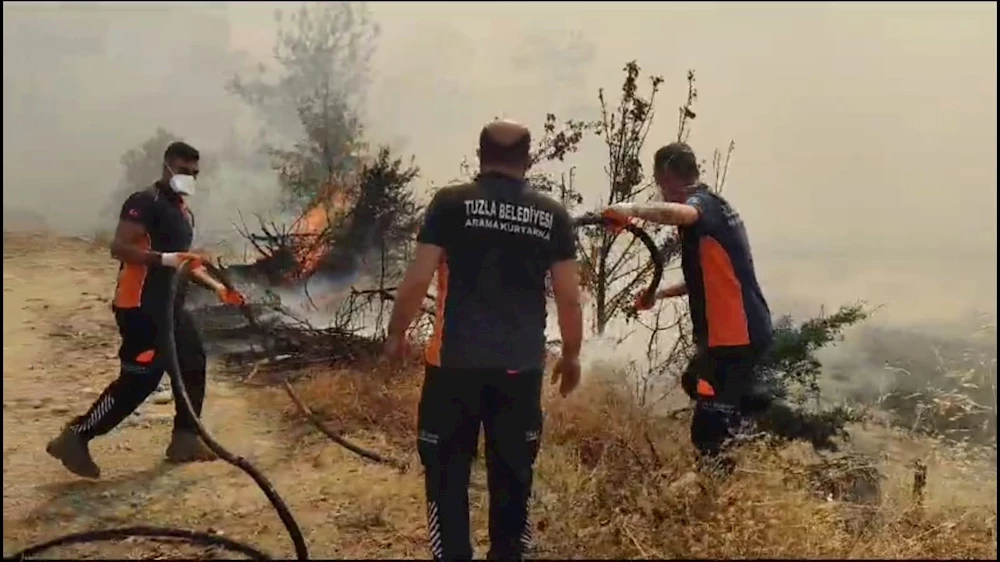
{"points": [[866, 133]]}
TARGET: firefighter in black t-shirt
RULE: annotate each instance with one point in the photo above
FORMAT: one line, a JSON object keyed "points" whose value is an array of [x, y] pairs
{"points": [[491, 244], [154, 236]]}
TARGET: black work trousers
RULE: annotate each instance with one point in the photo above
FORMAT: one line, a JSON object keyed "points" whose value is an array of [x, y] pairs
{"points": [[723, 383], [453, 405], [143, 362]]}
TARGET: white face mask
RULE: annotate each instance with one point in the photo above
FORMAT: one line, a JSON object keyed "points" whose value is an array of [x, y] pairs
{"points": [[183, 184]]}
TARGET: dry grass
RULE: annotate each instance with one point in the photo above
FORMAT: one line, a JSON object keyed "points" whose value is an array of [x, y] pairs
{"points": [[615, 481], [367, 398]]}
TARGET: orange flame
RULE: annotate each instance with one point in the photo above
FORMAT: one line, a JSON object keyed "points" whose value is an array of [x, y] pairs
{"points": [[307, 229]]}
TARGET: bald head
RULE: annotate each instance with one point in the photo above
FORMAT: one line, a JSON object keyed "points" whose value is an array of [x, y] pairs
{"points": [[504, 144]]}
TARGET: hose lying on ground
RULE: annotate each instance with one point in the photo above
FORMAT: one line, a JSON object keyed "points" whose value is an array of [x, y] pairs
{"points": [[194, 537], [335, 437]]}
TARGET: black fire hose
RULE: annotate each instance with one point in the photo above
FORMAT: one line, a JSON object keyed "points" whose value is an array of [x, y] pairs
{"points": [[121, 533], [594, 219], [193, 537]]}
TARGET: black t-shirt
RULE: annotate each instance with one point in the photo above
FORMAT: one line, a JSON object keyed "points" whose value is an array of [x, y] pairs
{"points": [[727, 306], [169, 227], [500, 237]]}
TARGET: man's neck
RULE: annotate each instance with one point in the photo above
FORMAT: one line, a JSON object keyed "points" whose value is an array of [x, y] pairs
{"points": [[684, 192], [693, 187], [508, 171]]}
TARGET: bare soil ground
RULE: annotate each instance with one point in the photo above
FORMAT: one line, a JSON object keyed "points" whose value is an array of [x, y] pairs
{"points": [[59, 352]]}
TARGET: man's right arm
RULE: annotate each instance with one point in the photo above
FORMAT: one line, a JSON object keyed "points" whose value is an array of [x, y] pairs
{"points": [[566, 289], [130, 244], [127, 248], [566, 286]]}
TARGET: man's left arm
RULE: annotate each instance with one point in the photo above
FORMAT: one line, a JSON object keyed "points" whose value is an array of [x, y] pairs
{"points": [[201, 276], [675, 214]]}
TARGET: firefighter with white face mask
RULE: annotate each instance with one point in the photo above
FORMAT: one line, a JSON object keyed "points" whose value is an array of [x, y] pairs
{"points": [[153, 238]]}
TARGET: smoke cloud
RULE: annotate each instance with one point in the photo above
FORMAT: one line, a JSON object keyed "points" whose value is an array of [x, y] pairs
{"points": [[865, 165]]}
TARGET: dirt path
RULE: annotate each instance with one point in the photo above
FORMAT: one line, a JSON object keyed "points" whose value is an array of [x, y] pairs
{"points": [[59, 353]]}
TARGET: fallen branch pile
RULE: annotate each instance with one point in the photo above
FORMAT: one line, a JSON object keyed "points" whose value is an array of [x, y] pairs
{"points": [[278, 343]]}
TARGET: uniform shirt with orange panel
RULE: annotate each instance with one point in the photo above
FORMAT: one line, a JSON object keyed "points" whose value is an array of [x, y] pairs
{"points": [[169, 227], [728, 308]]}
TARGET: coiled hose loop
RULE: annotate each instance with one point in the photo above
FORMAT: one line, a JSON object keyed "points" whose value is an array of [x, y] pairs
{"points": [[594, 219]]}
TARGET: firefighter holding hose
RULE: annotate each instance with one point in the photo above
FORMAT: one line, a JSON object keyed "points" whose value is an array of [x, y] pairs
{"points": [[491, 243], [153, 238], [730, 318]]}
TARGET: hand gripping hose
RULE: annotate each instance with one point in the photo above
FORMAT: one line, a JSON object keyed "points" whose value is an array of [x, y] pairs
{"points": [[593, 219], [193, 537]]}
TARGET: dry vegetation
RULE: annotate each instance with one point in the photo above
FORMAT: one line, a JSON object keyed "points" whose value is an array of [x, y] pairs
{"points": [[615, 481]]}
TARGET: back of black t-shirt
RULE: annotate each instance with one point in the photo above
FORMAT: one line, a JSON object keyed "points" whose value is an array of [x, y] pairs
{"points": [[500, 238]]}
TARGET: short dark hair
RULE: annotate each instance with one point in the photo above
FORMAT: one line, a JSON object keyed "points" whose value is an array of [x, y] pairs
{"points": [[678, 158], [181, 151], [492, 151]]}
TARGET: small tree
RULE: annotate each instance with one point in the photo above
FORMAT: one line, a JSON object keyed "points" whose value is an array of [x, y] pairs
{"points": [[384, 216], [362, 224], [322, 54], [612, 272], [790, 376], [792, 371]]}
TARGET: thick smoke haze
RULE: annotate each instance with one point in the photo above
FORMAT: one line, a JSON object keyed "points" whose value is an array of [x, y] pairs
{"points": [[84, 82], [865, 165]]}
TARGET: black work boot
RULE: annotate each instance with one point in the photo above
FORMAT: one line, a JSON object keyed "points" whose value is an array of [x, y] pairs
{"points": [[187, 446], [71, 449]]}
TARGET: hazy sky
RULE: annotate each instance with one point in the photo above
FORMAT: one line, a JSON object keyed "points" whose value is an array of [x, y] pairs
{"points": [[865, 164]]}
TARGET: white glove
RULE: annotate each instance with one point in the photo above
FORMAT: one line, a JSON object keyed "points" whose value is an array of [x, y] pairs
{"points": [[175, 259]]}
